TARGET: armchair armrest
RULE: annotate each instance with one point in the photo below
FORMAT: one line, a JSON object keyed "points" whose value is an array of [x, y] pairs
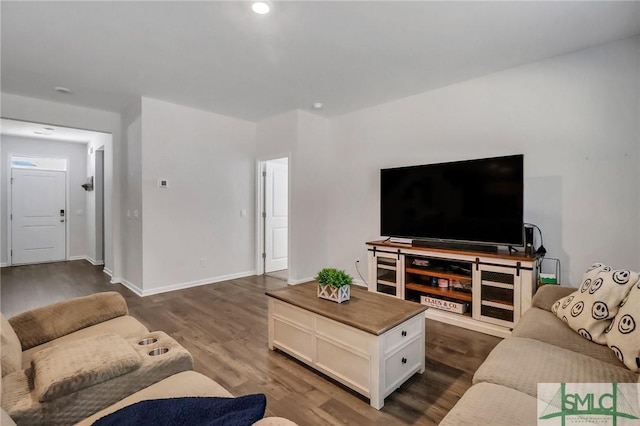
{"points": [[44, 324], [547, 295]]}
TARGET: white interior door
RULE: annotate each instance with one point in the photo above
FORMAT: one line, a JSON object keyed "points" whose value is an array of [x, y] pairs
{"points": [[38, 216], [276, 215]]}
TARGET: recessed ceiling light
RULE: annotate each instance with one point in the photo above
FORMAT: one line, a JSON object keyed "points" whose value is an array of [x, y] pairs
{"points": [[260, 7], [317, 105], [51, 129], [62, 89], [36, 132]]}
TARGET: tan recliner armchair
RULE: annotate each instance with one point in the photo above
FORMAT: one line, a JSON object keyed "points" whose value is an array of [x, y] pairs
{"points": [[64, 362]]}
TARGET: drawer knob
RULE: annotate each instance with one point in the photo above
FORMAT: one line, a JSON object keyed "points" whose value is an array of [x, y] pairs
{"points": [[404, 333], [404, 360]]}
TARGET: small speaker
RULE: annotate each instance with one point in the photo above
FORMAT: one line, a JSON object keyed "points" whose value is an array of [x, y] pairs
{"points": [[528, 240]]}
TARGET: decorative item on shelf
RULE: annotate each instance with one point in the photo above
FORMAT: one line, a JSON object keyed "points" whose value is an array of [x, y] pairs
{"points": [[334, 285], [421, 262], [443, 283], [445, 305], [461, 285]]}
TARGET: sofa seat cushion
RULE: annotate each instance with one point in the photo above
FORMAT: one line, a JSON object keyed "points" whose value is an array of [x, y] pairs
{"points": [[491, 404], [544, 326], [188, 383], [521, 364], [10, 348], [125, 326], [64, 369]]}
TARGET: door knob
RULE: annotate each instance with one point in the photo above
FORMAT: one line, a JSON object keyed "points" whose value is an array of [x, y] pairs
{"points": [[61, 220]]}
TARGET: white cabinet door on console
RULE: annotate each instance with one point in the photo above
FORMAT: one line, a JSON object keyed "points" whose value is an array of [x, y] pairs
{"points": [[497, 294], [386, 273]]}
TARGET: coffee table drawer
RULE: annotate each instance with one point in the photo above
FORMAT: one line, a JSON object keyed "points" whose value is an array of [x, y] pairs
{"points": [[402, 364], [402, 334]]}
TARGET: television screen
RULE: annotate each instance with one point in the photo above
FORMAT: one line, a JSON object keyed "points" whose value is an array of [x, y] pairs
{"points": [[475, 201]]}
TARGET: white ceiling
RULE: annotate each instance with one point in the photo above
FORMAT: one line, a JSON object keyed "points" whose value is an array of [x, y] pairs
{"points": [[221, 57], [44, 131]]}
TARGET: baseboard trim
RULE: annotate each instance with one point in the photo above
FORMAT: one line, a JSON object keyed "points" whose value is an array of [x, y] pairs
{"points": [[196, 283], [108, 272], [87, 258], [131, 286], [3, 265], [360, 283], [94, 262], [303, 280]]}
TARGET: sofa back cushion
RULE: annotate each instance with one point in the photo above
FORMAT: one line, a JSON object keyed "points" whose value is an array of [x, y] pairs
{"points": [[623, 335], [50, 322], [590, 309], [10, 348]]}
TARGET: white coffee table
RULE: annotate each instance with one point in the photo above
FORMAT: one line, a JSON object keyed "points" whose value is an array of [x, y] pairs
{"points": [[371, 344]]}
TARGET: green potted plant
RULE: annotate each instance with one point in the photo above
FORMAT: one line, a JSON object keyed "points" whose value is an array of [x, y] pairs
{"points": [[334, 285]]}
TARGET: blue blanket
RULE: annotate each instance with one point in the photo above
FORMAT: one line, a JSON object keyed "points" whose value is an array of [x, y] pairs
{"points": [[193, 411]]}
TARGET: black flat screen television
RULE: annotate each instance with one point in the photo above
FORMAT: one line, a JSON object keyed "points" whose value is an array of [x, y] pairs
{"points": [[476, 201]]}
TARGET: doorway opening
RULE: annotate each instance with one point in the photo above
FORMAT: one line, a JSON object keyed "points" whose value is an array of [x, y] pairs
{"points": [[87, 213], [273, 214], [37, 210]]}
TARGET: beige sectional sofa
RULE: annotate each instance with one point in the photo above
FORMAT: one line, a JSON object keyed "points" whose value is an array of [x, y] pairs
{"points": [[81, 359], [542, 349]]}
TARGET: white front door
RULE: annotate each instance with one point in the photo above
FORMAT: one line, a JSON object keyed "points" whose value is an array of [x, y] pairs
{"points": [[276, 218], [38, 216]]}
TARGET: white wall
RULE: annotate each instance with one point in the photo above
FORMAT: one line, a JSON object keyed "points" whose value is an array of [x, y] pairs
{"points": [[39, 111], [193, 231], [76, 172], [311, 198], [303, 137], [575, 119], [131, 167]]}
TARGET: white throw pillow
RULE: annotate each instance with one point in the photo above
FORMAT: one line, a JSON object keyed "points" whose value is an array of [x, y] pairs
{"points": [[590, 309], [623, 336]]}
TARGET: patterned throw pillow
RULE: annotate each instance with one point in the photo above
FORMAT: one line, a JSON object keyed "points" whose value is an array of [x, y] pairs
{"points": [[590, 308], [623, 335]]}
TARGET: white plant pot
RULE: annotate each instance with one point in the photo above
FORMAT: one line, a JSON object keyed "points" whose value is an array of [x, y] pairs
{"points": [[339, 295]]}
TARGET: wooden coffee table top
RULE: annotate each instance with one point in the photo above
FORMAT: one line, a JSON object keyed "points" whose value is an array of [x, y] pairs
{"points": [[366, 311]]}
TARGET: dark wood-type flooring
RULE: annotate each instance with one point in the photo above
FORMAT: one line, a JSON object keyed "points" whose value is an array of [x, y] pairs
{"points": [[224, 326]]}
